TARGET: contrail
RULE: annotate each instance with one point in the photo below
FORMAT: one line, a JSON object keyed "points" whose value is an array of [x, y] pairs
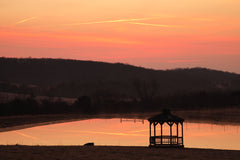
{"points": [[25, 20], [26, 135], [113, 21], [154, 25]]}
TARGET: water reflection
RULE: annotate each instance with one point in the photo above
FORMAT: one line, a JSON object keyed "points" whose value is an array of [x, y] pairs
{"points": [[127, 133], [212, 136]]}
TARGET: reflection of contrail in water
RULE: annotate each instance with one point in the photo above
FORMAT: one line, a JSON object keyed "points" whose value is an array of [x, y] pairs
{"points": [[26, 135], [107, 133], [25, 20], [114, 21], [143, 130], [117, 134]]}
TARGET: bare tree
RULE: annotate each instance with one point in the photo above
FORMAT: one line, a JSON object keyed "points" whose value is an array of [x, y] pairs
{"points": [[146, 90]]}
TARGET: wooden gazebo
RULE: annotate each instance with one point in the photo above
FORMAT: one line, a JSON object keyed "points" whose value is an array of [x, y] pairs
{"points": [[162, 139]]}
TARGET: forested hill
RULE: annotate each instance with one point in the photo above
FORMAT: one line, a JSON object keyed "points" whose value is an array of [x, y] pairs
{"points": [[74, 77]]}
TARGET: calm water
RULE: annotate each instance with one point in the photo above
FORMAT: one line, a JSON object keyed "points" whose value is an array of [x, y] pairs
{"points": [[127, 133]]}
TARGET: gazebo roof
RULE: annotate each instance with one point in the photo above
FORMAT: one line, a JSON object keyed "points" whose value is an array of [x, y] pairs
{"points": [[165, 116]]}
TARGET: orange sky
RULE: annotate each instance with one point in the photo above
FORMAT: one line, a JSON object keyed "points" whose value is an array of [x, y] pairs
{"points": [[158, 34]]}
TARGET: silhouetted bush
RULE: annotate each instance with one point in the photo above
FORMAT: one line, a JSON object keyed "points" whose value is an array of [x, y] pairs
{"points": [[113, 104], [84, 105]]}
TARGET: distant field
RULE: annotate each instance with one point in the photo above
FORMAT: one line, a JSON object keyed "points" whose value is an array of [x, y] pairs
{"points": [[6, 96]]}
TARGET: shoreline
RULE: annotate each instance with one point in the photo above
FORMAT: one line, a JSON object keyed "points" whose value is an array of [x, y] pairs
{"points": [[227, 116], [16, 152]]}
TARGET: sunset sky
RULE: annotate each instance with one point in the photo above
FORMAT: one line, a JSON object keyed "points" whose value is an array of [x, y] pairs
{"points": [[159, 34]]}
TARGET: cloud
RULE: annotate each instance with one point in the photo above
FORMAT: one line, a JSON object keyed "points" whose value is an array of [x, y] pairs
{"points": [[113, 21], [203, 19], [182, 61], [61, 39], [25, 20]]}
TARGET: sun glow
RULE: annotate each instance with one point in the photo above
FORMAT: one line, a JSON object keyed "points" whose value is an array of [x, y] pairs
{"points": [[159, 34]]}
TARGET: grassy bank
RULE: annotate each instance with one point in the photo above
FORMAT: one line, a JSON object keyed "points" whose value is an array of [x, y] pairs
{"points": [[112, 152]]}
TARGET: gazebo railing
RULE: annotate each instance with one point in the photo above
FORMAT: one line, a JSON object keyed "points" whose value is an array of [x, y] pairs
{"points": [[166, 140]]}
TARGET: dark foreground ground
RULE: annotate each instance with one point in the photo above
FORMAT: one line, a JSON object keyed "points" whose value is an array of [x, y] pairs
{"points": [[112, 153]]}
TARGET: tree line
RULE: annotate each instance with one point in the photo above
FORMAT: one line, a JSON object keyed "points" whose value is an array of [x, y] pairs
{"points": [[109, 104]]}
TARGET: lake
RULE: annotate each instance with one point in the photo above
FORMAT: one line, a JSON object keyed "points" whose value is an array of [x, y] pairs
{"points": [[121, 132]]}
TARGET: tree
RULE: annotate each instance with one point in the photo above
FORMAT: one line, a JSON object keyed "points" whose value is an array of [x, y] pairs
{"points": [[146, 90]]}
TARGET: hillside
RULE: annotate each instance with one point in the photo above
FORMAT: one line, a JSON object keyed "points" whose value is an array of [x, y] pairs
{"points": [[72, 78]]}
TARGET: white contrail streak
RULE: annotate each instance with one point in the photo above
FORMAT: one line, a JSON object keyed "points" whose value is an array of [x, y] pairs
{"points": [[154, 25], [113, 21], [25, 20]]}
